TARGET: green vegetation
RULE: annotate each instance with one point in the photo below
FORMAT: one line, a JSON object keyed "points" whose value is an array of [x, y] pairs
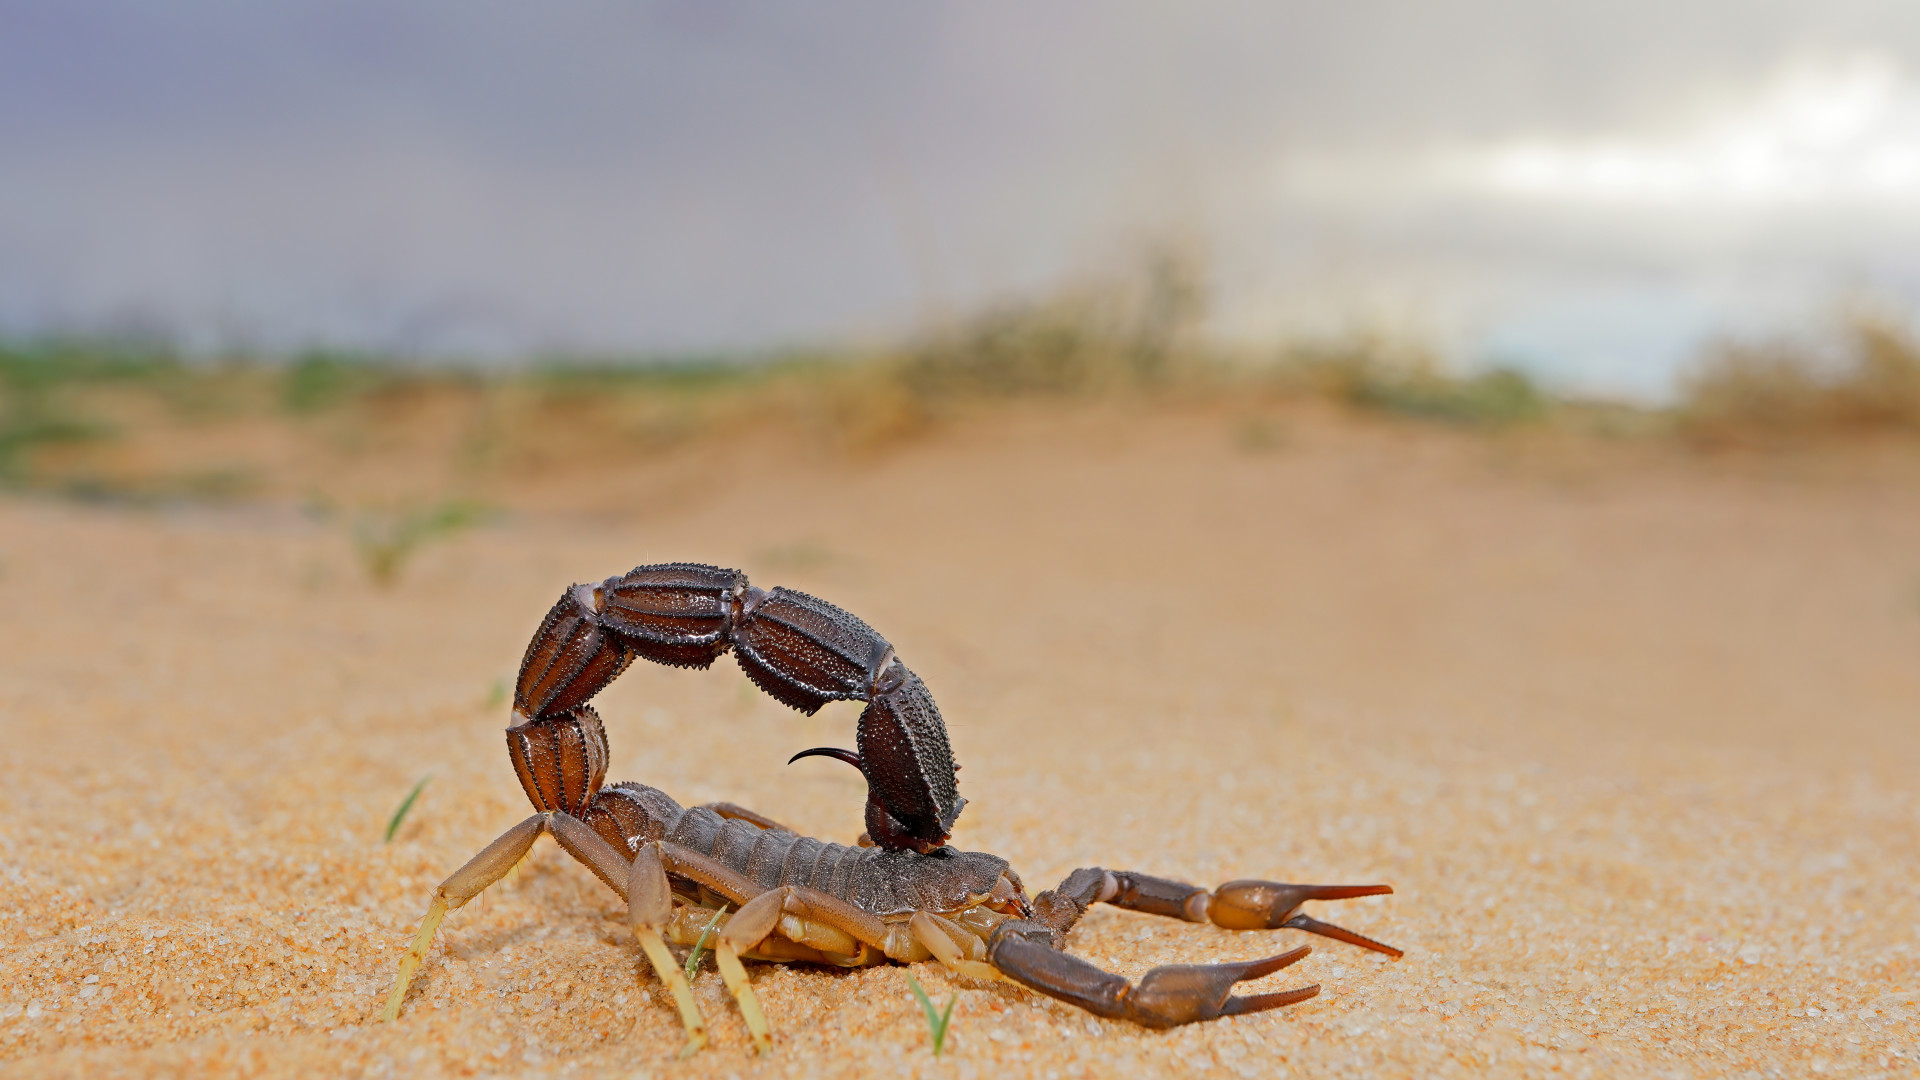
{"points": [[699, 952], [937, 1019], [1494, 398], [387, 542], [34, 409], [1377, 375], [318, 381], [406, 804]]}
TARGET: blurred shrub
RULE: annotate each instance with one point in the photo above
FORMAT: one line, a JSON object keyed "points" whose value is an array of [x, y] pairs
{"points": [[1371, 373], [321, 380], [1130, 329], [1864, 377], [37, 408]]}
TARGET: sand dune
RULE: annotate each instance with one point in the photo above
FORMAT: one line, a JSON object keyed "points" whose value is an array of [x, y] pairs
{"points": [[1633, 735]]}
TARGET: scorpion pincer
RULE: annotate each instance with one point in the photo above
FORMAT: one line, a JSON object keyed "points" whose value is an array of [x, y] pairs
{"points": [[901, 896]]}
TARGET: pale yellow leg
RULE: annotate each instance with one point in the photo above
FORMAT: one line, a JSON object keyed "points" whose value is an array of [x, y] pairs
{"points": [[650, 908], [748, 927], [736, 978], [469, 881], [417, 955], [948, 943], [676, 981]]}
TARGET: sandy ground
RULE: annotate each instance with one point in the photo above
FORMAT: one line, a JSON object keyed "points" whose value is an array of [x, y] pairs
{"points": [[1632, 734]]}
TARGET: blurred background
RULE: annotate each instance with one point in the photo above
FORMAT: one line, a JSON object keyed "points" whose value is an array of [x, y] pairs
{"points": [[1589, 194]]}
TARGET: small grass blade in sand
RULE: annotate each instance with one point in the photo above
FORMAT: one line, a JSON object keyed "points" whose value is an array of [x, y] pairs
{"points": [[700, 945], [406, 804], [387, 542], [936, 1020]]}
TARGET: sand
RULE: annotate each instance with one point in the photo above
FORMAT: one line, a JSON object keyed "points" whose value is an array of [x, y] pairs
{"points": [[1631, 732]]}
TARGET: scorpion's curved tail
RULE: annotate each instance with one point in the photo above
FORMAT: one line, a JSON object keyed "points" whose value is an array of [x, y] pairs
{"points": [[801, 650]]}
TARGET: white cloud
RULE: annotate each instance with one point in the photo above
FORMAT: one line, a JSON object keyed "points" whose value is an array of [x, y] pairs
{"points": [[1831, 134]]}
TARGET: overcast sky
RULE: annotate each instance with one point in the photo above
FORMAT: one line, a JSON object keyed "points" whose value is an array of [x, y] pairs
{"points": [[1586, 189]]}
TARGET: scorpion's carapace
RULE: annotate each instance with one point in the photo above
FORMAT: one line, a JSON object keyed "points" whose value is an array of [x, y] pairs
{"points": [[801, 650]]}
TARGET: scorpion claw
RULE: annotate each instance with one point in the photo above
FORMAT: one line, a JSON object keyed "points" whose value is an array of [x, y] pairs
{"points": [[1183, 993], [1271, 905], [1340, 933], [1165, 997]]}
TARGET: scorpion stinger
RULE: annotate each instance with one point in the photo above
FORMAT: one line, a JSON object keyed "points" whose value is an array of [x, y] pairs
{"points": [[833, 752]]}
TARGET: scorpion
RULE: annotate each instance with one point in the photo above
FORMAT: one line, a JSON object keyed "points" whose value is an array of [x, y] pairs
{"points": [[901, 894]]}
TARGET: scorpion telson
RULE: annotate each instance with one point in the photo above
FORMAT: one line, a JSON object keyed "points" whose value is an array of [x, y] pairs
{"points": [[904, 898]]}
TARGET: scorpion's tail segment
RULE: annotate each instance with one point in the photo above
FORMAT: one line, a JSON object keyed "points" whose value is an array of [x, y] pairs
{"points": [[806, 652], [676, 613], [929, 830], [571, 657], [908, 764], [680, 614], [1165, 997], [561, 760], [1272, 905], [469, 881]]}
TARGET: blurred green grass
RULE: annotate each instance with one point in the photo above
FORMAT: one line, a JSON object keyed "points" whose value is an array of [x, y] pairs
{"points": [[137, 422]]}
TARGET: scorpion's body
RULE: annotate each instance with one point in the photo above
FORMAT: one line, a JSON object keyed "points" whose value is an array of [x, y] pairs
{"points": [[903, 895], [975, 890]]}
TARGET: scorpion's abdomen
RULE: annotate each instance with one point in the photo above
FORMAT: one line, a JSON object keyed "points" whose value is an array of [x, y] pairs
{"points": [[674, 613], [882, 882], [807, 652], [627, 815], [889, 882]]}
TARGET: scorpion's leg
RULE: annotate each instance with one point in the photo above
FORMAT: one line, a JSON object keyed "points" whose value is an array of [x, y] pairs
{"points": [[690, 864], [741, 813], [801, 915], [804, 915], [1237, 905], [469, 881], [649, 909], [819, 921], [961, 952], [649, 896]]}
